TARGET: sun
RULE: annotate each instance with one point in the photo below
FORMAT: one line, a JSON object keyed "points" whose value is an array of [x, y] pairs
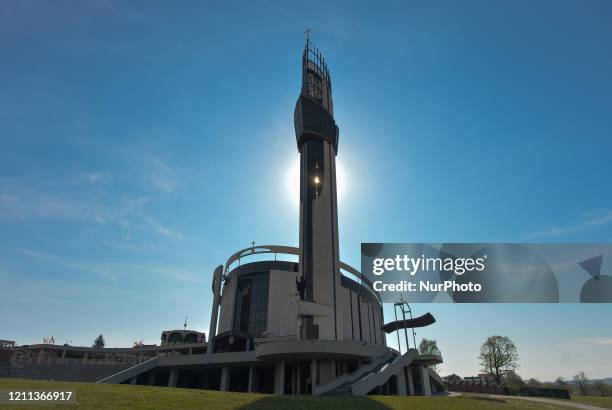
{"points": [[293, 182]]}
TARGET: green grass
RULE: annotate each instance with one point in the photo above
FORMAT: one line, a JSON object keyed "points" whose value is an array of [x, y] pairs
{"points": [[605, 402], [99, 396]]}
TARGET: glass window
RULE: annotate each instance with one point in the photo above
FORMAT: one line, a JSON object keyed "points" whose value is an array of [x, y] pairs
{"points": [[251, 313]]}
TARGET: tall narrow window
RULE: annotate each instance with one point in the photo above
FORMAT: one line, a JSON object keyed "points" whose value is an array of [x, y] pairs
{"points": [[251, 313]]}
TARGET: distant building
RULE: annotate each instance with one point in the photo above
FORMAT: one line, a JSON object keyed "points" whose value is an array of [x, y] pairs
{"points": [[6, 344], [453, 378], [174, 337], [482, 378]]}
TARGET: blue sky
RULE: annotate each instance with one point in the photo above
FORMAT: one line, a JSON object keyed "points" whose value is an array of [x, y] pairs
{"points": [[140, 146]]}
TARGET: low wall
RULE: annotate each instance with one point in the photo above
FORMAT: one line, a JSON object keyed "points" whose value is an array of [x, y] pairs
{"points": [[483, 388], [83, 373], [5, 357], [540, 392], [486, 388]]}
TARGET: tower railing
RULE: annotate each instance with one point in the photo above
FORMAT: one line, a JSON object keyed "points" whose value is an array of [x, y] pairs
{"points": [[345, 269], [314, 56]]}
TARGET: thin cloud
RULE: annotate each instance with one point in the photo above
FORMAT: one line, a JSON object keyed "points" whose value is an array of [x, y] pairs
{"points": [[597, 341], [159, 164], [127, 213], [95, 178], [114, 271], [589, 221], [162, 175], [156, 226]]}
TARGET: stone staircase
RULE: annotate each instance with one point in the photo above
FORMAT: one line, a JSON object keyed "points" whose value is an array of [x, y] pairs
{"points": [[342, 383], [377, 378], [368, 377]]}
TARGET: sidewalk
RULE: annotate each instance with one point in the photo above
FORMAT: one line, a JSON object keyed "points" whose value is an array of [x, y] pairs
{"points": [[544, 400]]}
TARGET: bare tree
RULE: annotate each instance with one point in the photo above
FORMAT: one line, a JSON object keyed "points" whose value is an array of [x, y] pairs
{"points": [[581, 380], [560, 382], [498, 355], [600, 388]]}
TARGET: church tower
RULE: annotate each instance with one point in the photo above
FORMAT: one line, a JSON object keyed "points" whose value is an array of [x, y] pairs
{"points": [[317, 141]]}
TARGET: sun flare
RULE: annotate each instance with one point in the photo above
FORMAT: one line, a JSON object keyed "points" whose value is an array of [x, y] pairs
{"points": [[293, 182]]}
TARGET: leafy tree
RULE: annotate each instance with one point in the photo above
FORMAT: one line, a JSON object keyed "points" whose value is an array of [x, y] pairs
{"points": [[498, 355], [533, 383], [429, 347], [581, 380], [99, 342], [511, 379]]}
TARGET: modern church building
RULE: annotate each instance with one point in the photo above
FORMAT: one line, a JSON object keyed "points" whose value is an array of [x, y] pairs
{"points": [[314, 326]]}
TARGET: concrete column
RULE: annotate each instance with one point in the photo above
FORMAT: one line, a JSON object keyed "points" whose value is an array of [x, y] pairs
{"points": [[41, 354], [251, 387], [133, 380], [172, 378], [313, 374], [333, 369], [151, 381], [297, 368], [190, 351], [410, 381], [279, 378], [212, 330], [425, 380], [401, 383], [326, 371], [85, 357], [225, 379]]}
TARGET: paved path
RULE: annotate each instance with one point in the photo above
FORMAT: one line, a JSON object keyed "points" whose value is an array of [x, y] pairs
{"points": [[543, 400]]}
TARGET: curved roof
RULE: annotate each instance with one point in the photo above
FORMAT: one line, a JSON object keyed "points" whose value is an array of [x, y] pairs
{"points": [[182, 331]]}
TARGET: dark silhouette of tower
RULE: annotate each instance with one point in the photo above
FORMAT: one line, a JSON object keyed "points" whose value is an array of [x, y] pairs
{"points": [[317, 140]]}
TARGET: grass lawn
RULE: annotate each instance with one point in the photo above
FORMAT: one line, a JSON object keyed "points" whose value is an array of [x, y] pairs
{"points": [[595, 401], [96, 396]]}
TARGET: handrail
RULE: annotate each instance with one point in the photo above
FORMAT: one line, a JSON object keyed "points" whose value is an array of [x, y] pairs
{"points": [[147, 364]]}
